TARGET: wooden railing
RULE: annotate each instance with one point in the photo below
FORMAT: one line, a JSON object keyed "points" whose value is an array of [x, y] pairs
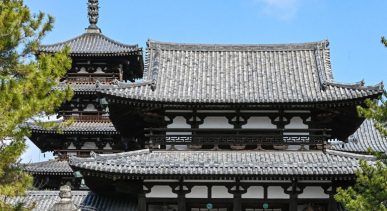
{"points": [[164, 136], [91, 77], [83, 116]]}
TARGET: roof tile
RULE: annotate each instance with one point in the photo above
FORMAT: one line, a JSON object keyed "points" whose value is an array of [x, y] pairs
{"points": [[231, 163], [52, 167], [85, 200], [95, 44], [366, 136]]}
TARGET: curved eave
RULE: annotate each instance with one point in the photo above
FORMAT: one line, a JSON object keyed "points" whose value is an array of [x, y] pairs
{"points": [[116, 54], [143, 93], [51, 132], [50, 173], [288, 104], [143, 164], [126, 176]]}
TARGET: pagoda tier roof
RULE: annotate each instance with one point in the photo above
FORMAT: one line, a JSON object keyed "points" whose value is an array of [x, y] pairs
{"points": [[197, 164], [233, 74], [79, 127], [51, 167], [366, 137], [85, 200], [84, 87], [92, 44]]}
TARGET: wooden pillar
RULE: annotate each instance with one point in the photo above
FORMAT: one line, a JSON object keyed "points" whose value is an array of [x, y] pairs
{"points": [[181, 190], [293, 202], [331, 190], [237, 190], [237, 204], [332, 205], [141, 197], [293, 193], [141, 202], [181, 201]]}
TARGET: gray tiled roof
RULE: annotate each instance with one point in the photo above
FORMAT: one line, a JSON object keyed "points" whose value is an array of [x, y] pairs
{"points": [[92, 44], [298, 73], [84, 199], [367, 136], [93, 87], [230, 163], [51, 167], [80, 127]]}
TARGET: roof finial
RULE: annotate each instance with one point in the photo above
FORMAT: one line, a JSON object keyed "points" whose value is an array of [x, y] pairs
{"points": [[93, 13]]}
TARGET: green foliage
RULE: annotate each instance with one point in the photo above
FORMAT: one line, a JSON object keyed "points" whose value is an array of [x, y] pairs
{"points": [[370, 190], [26, 87], [377, 111], [384, 41]]}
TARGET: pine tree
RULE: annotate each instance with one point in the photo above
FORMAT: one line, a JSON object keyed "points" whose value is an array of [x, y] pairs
{"points": [[26, 87]]}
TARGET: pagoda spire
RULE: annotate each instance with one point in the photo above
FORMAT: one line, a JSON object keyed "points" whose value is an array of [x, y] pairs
{"points": [[93, 13]]}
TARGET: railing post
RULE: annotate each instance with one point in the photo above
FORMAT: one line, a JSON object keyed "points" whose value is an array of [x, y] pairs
{"points": [[324, 140]]}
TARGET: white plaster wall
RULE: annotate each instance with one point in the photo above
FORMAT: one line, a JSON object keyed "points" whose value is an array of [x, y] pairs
{"points": [[220, 192], [71, 146], [179, 122], [108, 147], [276, 192], [160, 191], [216, 122], [90, 107], [296, 123], [89, 145], [258, 122], [253, 192], [198, 192], [313, 192]]}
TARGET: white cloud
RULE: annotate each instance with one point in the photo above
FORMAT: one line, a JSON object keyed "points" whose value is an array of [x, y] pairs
{"points": [[281, 9]]}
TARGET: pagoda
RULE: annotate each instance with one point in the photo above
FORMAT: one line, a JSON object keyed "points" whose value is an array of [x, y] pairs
{"points": [[97, 61], [205, 127]]}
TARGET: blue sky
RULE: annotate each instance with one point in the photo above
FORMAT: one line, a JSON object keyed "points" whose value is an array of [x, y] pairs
{"points": [[353, 27]]}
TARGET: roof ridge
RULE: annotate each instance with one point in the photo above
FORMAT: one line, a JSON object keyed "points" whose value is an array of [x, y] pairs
{"points": [[351, 155], [106, 89], [73, 160], [325, 43], [234, 151], [246, 47], [56, 192], [97, 156], [45, 161]]}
